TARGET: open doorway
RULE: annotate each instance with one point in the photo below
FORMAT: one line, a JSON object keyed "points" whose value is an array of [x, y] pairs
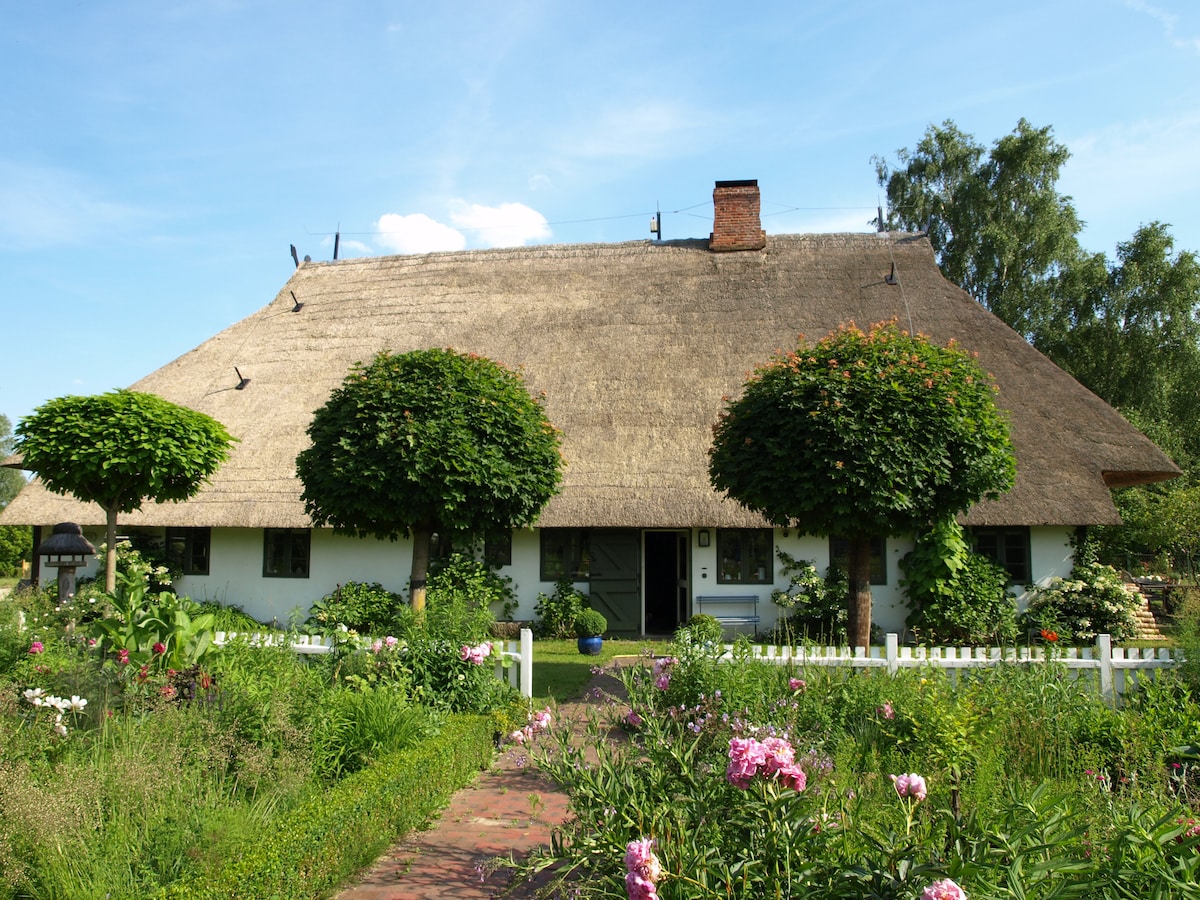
{"points": [[666, 581]]}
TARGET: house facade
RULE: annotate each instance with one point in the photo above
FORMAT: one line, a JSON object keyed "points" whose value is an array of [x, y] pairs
{"points": [[635, 345]]}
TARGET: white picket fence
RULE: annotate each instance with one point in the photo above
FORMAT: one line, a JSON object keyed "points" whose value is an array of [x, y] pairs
{"points": [[513, 659], [1115, 670]]}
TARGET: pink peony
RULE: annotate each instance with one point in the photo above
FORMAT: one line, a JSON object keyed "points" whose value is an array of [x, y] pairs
{"points": [[35, 648], [911, 785], [159, 648], [886, 711], [943, 890], [390, 641], [640, 858], [797, 684], [377, 645]]}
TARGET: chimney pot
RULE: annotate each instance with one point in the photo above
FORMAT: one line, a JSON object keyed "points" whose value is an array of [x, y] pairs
{"points": [[737, 223]]}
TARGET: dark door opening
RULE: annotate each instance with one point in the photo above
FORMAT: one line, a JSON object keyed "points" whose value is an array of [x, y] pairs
{"points": [[666, 581]]}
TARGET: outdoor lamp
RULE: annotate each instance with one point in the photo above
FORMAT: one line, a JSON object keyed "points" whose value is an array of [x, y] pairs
{"points": [[66, 550]]}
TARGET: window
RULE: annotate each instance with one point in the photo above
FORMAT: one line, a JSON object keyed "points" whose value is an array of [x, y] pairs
{"points": [[1007, 547], [839, 557], [188, 549], [497, 549], [565, 552], [745, 556], [286, 552]]}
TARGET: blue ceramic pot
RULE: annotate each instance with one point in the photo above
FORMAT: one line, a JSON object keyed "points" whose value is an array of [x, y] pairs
{"points": [[590, 646]]}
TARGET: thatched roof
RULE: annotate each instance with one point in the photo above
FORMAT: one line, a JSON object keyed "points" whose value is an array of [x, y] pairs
{"points": [[635, 345]]}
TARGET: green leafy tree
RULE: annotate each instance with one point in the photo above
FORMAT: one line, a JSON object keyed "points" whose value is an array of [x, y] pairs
{"points": [[1130, 332], [863, 434], [11, 481], [996, 221], [16, 541], [424, 442], [120, 449]]}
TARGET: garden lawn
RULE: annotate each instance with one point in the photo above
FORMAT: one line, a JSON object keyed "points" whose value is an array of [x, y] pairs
{"points": [[560, 671]]}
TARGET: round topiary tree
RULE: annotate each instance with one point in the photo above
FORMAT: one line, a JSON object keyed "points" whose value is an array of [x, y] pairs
{"points": [[865, 433], [424, 442], [120, 449]]}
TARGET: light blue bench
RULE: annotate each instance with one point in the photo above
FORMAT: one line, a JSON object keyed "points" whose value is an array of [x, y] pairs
{"points": [[730, 609]]}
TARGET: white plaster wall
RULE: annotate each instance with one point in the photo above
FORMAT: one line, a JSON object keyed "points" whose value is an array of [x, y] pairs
{"points": [[236, 577]]}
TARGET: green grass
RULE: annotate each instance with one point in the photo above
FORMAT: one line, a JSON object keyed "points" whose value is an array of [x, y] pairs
{"points": [[561, 672]]}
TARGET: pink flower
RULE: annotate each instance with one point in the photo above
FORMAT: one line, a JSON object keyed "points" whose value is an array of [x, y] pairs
{"points": [[159, 648], [663, 681], [639, 887], [797, 684], [35, 648], [377, 645], [632, 719], [911, 785], [167, 691], [518, 736], [643, 870], [123, 656], [943, 890], [542, 720], [390, 641], [886, 711], [476, 654]]}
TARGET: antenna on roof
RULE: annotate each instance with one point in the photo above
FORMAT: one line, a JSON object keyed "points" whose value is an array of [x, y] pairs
{"points": [[242, 380], [656, 225], [337, 239], [298, 305], [295, 256]]}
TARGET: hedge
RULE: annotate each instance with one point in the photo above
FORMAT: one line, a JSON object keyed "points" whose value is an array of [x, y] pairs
{"points": [[326, 840]]}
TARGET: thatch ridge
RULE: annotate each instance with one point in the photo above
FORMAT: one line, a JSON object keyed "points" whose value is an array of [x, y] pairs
{"points": [[635, 344]]}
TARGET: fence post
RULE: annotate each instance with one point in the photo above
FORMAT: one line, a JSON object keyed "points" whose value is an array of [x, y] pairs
{"points": [[892, 647], [1104, 651], [526, 662]]}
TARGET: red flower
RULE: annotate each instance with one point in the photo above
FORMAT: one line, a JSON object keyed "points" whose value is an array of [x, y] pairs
{"points": [[159, 648], [123, 656], [1050, 636]]}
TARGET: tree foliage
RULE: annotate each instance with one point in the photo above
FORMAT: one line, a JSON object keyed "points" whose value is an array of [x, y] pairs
{"points": [[1128, 329], [120, 449], [425, 441], [996, 221], [863, 434], [11, 481]]}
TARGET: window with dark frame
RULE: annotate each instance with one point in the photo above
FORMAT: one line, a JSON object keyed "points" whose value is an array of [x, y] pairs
{"points": [[564, 551], [1007, 547], [286, 552], [745, 556], [839, 557], [188, 550], [497, 549]]}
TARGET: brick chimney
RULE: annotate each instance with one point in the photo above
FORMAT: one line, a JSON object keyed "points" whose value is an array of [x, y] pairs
{"points": [[736, 221]]}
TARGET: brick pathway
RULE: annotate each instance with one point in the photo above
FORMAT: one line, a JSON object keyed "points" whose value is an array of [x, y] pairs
{"points": [[510, 809]]}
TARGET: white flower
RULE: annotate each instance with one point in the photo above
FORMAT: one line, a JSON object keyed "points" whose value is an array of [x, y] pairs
{"points": [[77, 703], [61, 729], [34, 695]]}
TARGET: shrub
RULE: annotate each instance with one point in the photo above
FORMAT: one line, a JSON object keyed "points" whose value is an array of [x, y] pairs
{"points": [[590, 623], [701, 629], [956, 594], [459, 599], [357, 727], [817, 607], [556, 613], [364, 608], [1093, 601]]}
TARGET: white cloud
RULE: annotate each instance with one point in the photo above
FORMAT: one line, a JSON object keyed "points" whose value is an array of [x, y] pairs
{"points": [[416, 233], [506, 225]]}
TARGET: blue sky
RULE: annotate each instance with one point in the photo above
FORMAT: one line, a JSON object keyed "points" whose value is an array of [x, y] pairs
{"points": [[158, 157]]}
